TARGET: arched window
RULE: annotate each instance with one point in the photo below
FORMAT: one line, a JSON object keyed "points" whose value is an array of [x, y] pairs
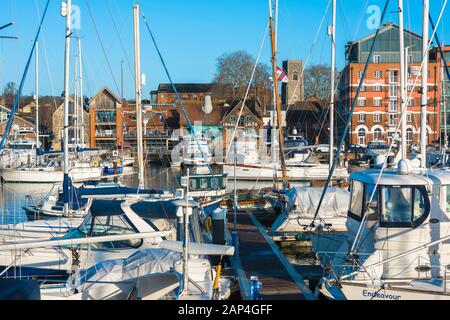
{"points": [[295, 76], [362, 136], [409, 136], [377, 134]]}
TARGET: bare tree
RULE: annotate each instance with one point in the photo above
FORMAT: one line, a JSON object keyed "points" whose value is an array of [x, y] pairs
{"points": [[317, 81], [234, 71]]}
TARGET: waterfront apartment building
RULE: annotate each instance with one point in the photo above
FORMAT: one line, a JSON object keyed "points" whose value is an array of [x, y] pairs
{"points": [[378, 106], [106, 121], [444, 89]]}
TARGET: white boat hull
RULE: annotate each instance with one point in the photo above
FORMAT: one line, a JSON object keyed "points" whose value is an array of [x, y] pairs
{"points": [[294, 173], [48, 176]]}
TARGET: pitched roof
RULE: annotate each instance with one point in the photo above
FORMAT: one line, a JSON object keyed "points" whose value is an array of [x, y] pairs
{"points": [[195, 113], [186, 87], [107, 89], [310, 104]]}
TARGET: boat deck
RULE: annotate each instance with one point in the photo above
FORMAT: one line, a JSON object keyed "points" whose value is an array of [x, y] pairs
{"points": [[258, 255]]}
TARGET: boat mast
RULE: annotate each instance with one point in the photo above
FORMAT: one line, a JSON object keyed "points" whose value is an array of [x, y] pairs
{"points": [[137, 66], [423, 103], [333, 67], [276, 98], [402, 79], [444, 105], [66, 11], [36, 98], [81, 92]]}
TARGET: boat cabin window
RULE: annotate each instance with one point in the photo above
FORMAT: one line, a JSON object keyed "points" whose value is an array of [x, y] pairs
{"points": [[356, 199], [372, 207], [403, 206], [448, 198], [96, 226], [359, 205]]}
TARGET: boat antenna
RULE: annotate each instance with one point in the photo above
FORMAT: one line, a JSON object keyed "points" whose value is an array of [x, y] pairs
{"points": [[22, 82], [347, 125]]}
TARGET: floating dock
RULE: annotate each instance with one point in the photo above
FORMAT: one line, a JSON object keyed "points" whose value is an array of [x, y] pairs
{"points": [[257, 255]]}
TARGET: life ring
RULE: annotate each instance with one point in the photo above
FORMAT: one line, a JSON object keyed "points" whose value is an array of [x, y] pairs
{"points": [[95, 163]]}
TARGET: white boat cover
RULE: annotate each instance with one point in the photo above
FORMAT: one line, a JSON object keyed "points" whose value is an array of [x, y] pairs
{"points": [[149, 261], [335, 203]]}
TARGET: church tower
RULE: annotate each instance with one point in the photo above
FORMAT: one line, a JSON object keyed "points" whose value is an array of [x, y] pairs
{"points": [[294, 90]]}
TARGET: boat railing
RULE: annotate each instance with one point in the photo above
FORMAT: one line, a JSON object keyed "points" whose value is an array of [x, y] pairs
{"points": [[417, 268]]}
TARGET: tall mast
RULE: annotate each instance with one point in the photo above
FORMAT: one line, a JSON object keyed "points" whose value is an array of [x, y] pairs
{"points": [[276, 99], [137, 66], [402, 79], [80, 57], [333, 67], [444, 105], [423, 102], [36, 98], [67, 14]]}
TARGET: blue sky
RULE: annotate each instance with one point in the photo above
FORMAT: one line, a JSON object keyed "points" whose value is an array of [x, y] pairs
{"points": [[191, 35]]}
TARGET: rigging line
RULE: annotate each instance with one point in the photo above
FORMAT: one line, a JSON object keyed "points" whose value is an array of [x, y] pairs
{"points": [[22, 82], [345, 131], [403, 114], [45, 55], [248, 87], [176, 92], [120, 38], [309, 54], [101, 44]]}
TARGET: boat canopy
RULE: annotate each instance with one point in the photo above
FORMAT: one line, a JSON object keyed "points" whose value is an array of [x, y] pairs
{"points": [[335, 203], [101, 208]]}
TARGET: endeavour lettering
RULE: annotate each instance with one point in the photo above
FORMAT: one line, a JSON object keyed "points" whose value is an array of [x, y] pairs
{"points": [[380, 295]]}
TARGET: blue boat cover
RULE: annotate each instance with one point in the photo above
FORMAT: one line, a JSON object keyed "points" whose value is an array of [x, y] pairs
{"points": [[106, 208]]}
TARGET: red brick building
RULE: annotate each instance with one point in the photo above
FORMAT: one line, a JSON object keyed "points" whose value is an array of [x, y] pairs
{"points": [[378, 108]]}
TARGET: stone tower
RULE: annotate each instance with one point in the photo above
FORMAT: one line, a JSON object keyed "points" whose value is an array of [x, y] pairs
{"points": [[294, 90]]}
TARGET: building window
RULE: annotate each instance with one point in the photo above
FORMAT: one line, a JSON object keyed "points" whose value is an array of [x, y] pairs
{"points": [[393, 91], [363, 88], [185, 96], [393, 105], [377, 118], [232, 119], [194, 96], [248, 119], [376, 58], [409, 88], [377, 88], [295, 76], [377, 134], [393, 77], [362, 136], [377, 74], [393, 119], [410, 58], [361, 117], [377, 102], [359, 74], [361, 102], [409, 117], [411, 102], [409, 136]]}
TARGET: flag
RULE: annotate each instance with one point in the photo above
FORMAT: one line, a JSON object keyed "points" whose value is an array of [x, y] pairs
{"points": [[282, 75]]}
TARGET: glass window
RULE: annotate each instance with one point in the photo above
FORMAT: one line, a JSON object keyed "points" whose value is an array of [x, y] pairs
{"points": [[295, 76], [106, 226], [192, 184], [356, 198], [376, 58], [372, 207], [248, 118], [396, 204], [203, 183], [377, 134], [448, 197], [233, 119]]}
